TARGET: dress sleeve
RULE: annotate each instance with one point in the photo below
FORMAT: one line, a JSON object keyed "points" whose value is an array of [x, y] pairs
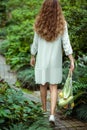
{"points": [[34, 45], [66, 42]]}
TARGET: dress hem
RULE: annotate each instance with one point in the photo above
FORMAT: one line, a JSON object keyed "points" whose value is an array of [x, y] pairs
{"points": [[48, 82]]}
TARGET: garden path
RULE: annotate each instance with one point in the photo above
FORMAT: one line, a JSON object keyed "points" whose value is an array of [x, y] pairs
{"points": [[66, 124]]}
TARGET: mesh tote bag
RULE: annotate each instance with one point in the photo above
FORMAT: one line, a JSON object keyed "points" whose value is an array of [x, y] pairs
{"points": [[66, 95]]}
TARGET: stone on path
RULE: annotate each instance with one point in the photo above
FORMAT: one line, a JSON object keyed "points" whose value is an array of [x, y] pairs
{"points": [[5, 73]]}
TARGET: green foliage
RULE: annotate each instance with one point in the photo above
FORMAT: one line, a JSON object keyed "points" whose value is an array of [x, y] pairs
{"points": [[20, 31], [3, 33], [2, 12], [78, 86], [18, 112], [15, 108], [80, 75], [26, 77], [19, 126], [81, 112], [3, 19], [40, 125], [4, 45], [3, 86], [76, 15]]}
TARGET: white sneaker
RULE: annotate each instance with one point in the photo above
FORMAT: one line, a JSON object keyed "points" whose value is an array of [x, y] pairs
{"points": [[52, 119]]}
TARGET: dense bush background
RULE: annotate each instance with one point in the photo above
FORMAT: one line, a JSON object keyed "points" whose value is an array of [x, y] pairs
{"points": [[3, 19], [19, 20], [76, 16]]}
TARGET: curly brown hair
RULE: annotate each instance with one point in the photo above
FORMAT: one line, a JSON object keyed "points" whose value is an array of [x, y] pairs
{"points": [[50, 21]]}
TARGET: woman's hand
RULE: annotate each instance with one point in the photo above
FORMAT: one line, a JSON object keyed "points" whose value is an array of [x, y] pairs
{"points": [[32, 61], [71, 63], [72, 66]]}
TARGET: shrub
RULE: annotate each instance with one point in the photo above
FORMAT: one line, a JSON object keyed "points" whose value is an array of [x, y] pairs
{"points": [[26, 79], [19, 32], [80, 112], [16, 109], [76, 16], [3, 13]]}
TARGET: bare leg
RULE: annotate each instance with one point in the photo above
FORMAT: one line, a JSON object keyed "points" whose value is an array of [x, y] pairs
{"points": [[43, 93], [54, 96]]}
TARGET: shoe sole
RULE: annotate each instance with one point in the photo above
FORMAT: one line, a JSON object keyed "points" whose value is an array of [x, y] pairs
{"points": [[52, 123]]}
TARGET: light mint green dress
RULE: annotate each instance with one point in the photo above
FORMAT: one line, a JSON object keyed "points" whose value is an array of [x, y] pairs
{"points": [[48, 66]]}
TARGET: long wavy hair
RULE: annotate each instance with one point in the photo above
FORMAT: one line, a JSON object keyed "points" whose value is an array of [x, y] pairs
{"points": [[49, 23]]}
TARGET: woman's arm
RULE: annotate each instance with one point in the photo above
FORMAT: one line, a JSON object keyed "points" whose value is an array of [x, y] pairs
{"points": [[34, 49], [34, 45], [71, 62], [67, 47]]}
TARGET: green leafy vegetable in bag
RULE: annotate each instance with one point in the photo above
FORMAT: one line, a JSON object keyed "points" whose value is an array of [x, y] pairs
{"points": [[67, 90], [64, 102], [66, 96]]}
